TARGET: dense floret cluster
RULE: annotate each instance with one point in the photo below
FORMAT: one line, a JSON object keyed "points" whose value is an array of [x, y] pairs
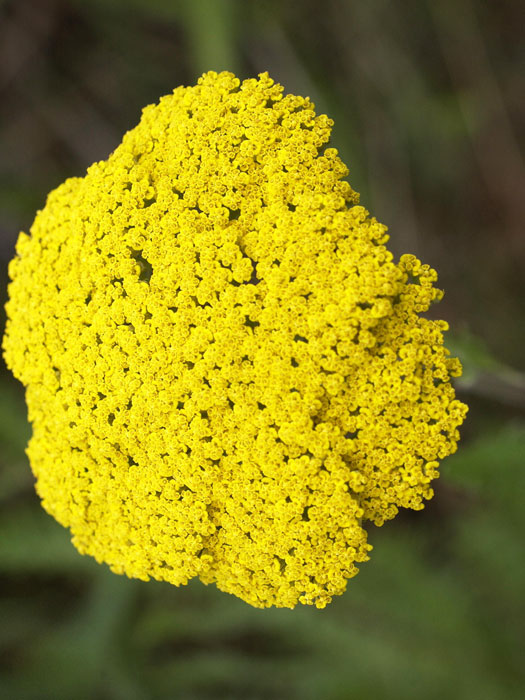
{"points": [[227, 374]]}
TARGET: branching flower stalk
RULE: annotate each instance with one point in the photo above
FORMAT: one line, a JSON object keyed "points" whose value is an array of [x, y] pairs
{"points": [[227, 374]]}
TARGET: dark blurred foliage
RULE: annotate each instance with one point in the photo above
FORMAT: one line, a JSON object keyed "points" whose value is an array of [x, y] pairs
{"points": [[428, 99]]}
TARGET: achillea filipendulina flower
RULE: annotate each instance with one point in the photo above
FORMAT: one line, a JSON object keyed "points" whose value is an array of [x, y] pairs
{"points": [[227, 374]]}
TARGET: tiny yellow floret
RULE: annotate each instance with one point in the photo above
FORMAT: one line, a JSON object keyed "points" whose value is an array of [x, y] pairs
{"points": [[226, 372]]}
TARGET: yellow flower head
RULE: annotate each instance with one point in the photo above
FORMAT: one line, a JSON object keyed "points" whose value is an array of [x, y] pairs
{"points": [[227, 374]]}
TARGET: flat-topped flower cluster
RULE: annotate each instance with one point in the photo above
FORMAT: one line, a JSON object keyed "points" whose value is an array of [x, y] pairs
{"points": [[227, 374]]}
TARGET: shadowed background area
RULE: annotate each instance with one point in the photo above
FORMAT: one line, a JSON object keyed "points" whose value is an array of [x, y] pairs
{"points": [[429, 109]]}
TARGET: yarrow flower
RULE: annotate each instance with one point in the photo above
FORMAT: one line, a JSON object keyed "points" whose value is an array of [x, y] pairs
{"points": [[227, 374]]}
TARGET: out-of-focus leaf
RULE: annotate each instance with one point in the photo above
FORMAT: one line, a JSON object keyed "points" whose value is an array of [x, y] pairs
{"points": [[483, 373], [212, 31], [473, 353], [31, 541], [493, 465], [80, 659], [15, 430], [15, 478]]}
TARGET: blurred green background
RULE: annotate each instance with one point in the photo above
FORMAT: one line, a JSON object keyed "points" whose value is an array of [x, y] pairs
{"points": [[428, 99]]}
